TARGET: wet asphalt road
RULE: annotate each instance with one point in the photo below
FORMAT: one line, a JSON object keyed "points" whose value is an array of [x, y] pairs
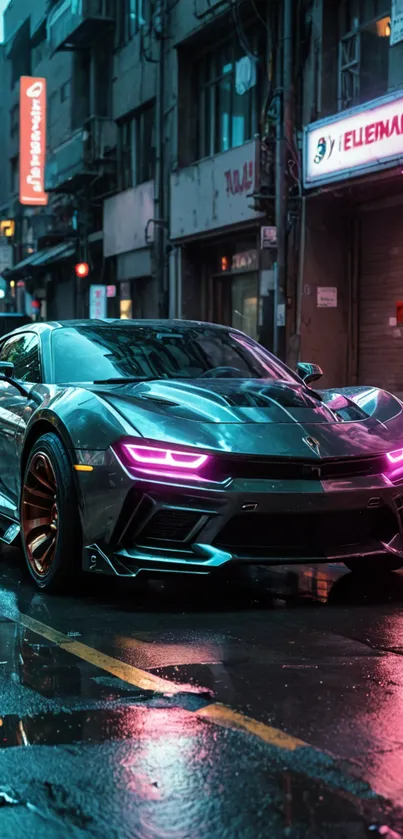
{"points": [[282, 714]]}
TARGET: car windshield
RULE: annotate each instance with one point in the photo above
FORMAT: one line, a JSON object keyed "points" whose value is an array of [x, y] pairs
{"points": [[96, 353]]}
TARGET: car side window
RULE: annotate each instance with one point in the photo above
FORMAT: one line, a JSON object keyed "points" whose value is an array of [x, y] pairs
{"points": [[23, 352]]}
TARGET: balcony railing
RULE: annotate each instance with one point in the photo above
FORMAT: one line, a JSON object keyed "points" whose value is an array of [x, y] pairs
{"points": [[89, 151], [76, 24]]}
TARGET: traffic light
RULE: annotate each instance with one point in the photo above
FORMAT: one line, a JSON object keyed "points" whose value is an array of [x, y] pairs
{"points": [[82, 269]]}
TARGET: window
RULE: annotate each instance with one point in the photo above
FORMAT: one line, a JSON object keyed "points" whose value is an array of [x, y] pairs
{"points": [[137, 148], [127, 139], [20, 53], [23, 352], [363, 51], [52, 108], [14, 120], [226, 92], [14, 175], [39, 53], [145, 144], [132, 15], [65, 91], [357, 12]]}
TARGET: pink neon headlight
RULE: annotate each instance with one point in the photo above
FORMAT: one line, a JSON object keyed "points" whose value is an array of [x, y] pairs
{"points": [[395, 457], [165, 458]]}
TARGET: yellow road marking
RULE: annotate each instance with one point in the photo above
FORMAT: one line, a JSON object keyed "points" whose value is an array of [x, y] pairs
{"points": [[126, 672], [215, 713], [227, 718]]}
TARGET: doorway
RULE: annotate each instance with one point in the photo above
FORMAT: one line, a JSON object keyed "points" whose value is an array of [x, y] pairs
{"points": [[235, 299]]}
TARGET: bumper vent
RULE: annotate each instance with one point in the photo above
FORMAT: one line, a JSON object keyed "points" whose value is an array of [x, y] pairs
{"points": [[170, 525]]}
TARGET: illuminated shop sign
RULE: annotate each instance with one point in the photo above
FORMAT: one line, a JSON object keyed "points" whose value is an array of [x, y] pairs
{"points": [[32, 141], [359, 141]]}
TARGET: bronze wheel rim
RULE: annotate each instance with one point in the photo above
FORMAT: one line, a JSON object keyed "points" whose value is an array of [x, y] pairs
{"points": [[39, 514]]}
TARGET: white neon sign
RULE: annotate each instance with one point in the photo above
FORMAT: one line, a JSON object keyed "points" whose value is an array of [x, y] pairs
{"points": [[360, 141]]}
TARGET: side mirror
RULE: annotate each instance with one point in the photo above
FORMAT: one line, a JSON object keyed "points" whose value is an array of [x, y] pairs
{"points": [[6, 370], [309, 372]]}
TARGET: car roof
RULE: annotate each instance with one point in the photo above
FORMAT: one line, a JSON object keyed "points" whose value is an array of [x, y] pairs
{"points": [[116, 322]]}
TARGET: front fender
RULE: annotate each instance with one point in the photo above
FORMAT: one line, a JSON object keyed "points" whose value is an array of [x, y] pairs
{"points": [[82, 419], [377, 404], [83, 422]]}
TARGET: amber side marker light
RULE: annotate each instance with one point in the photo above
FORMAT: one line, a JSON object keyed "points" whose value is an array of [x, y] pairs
{"points": [[81, 468]]}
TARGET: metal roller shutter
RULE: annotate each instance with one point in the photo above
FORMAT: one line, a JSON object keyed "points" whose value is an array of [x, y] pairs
{"points": [[380, 343]]}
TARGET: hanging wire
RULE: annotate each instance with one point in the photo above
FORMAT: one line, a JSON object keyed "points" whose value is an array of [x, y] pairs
{"points": [[259, 16], [235, 11]]}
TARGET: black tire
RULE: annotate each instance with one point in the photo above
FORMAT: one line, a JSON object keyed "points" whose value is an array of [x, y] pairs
{"points": [[48, 461], [374, 565]]}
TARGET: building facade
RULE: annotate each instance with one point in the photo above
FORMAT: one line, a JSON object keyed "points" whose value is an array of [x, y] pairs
{"points": [[154, 164], [350, 283]]}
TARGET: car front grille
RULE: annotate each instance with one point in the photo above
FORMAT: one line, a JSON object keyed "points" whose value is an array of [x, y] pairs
{"points": [[292, 469], [306, 534]]}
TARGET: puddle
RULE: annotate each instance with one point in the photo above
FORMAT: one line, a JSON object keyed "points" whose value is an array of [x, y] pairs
{"points": [[97, 726]]}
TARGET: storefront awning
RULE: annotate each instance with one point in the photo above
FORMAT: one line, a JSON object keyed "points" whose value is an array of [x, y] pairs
{"points": [[41, 259]]}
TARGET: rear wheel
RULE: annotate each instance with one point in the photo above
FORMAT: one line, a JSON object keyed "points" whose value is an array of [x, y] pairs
{"points": [[375, 565], [50, 521]]}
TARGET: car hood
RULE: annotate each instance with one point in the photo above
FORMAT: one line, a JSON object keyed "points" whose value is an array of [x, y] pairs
{"points": [[253, 416], [224, 400]]}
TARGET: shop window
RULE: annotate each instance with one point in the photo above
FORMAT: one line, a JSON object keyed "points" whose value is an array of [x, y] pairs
{"points": [[363, 51], [137, 148], [227, 96]]}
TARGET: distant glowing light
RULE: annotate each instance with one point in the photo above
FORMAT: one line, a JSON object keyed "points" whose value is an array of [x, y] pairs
{"points": [[82, 269]]}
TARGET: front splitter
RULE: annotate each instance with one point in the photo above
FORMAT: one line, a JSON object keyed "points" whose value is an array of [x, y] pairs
{"points": [[205, 559]]}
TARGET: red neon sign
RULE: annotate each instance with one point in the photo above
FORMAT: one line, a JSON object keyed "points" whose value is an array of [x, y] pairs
{"points": [[32, 141]]}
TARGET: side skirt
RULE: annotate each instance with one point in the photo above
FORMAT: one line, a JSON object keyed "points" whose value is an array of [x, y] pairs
{"points": [[9, 525]]}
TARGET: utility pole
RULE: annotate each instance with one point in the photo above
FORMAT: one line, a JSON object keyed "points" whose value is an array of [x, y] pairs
{"points": [[160, 197], [284, 113]]}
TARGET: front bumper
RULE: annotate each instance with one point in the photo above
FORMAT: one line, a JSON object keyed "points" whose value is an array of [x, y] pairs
{"points": [[153, 526]]}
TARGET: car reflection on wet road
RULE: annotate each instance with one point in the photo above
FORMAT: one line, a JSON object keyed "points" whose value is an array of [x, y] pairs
{"points": [[267, 705]]}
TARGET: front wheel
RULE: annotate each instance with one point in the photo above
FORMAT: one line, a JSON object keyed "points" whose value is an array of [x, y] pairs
{"points": [[374, 565], [50, 521]]}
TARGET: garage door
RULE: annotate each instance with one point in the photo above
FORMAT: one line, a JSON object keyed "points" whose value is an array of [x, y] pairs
{"points": [[380, 342]]}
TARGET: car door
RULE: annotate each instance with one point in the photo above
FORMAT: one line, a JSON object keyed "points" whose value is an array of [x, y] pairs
{"points": [[22, 350]]}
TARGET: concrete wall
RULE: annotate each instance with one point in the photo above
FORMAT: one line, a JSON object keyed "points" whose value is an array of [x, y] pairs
{"points": [[127, 220], [188, 17], [135, 79], [214, 193]]}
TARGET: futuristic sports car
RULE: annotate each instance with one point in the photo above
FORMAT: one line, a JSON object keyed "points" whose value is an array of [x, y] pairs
{"points": [[174, 446]]}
